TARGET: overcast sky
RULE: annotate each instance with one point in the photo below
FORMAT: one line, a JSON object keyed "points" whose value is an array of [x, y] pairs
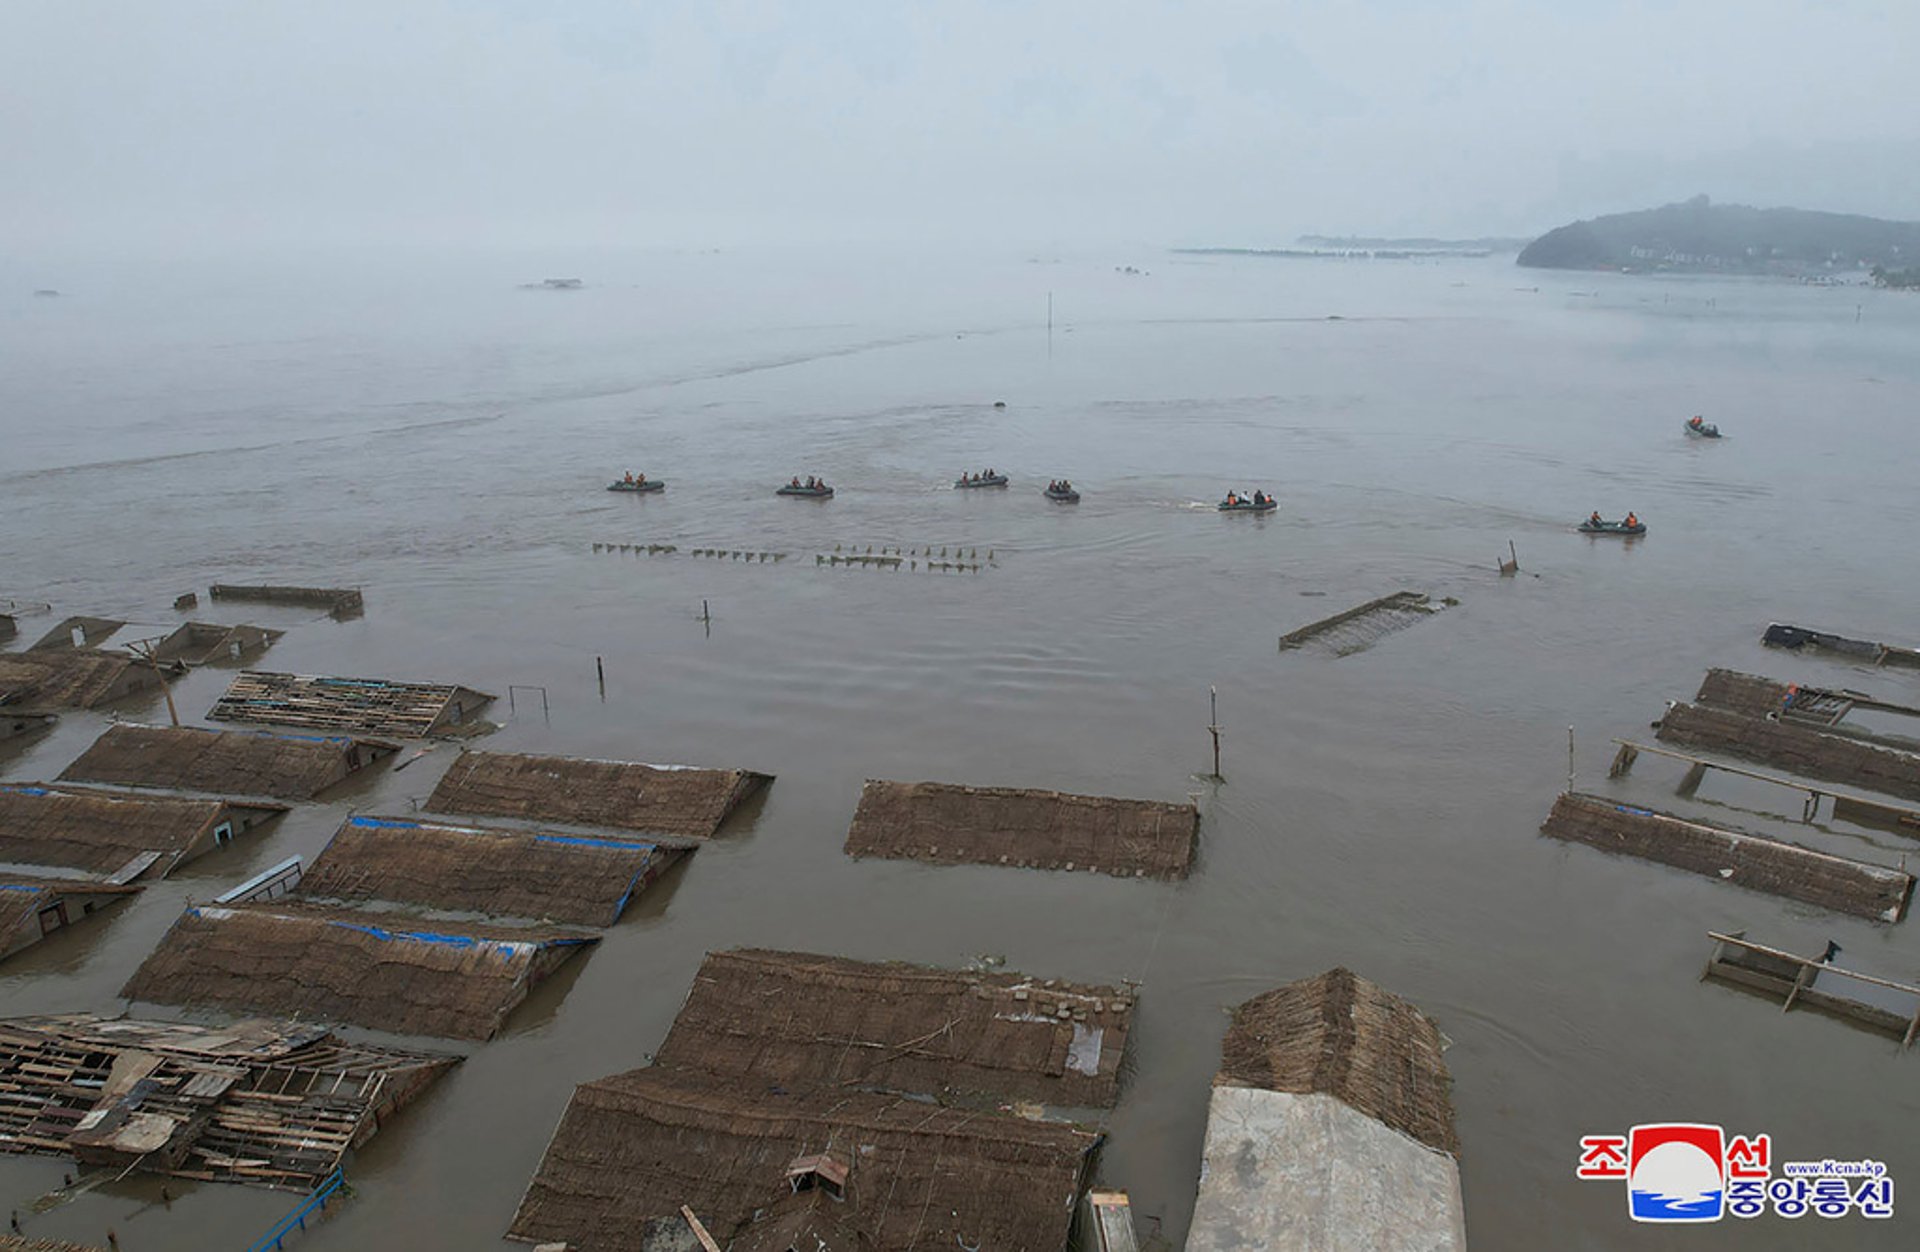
{"points": [[152, 123]]}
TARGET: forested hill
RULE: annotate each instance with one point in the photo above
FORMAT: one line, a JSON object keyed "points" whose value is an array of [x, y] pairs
{"points": [[1704, 237]]}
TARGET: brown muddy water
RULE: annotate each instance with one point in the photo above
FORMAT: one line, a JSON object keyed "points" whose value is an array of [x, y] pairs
{"points": [[442, 439]]}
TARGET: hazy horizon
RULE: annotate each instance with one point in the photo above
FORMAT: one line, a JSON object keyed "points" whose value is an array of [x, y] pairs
{"points": [[208, 127]]}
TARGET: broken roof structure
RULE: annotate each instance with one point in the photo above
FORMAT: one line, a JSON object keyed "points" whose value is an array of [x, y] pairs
{"points": [[365, 706], [1795, 748], [899, 1027], [1754, 861], [33, 908], [623, 795], [116, 834], [952, 825], [72, 678], [1324, 1083], [340, 602], [20, 1243], [1794, 638], [234, 762], [516, 873], [269, 1103], [632, 1149], [383, 970]]}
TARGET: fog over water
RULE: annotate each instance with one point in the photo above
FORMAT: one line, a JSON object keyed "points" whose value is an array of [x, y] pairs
{"points": [[293, 345]]}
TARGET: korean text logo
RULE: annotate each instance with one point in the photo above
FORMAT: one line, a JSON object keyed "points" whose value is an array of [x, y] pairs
{"points": [[1683, 1172]]}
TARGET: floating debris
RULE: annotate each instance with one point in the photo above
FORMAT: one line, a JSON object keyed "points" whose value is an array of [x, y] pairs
{"points": [[1359, 628]]}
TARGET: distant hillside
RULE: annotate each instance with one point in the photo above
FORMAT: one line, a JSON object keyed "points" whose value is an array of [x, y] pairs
{"points": [[1703, 237]]}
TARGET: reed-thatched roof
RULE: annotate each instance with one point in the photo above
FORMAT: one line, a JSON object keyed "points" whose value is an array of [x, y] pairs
{"points": [[898, 1027], [349, 706], [1795, 748], [1736, 856], [70, 678], [23, 898], [383, 970], [233, 762], [584, 880], [1342, 1035], [635, 1147], [20, 1243], [623, 795], [202, 643], [269, 1103], [951, 825], [99, 832], [93, 632]]}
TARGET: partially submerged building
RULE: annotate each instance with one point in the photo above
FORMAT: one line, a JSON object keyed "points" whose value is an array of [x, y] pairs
{"points": [[1822, 708], [577, 879], [1330, 1127], [273, 1104], [116, 835], [951, 825], [15, 725], [33, 908], [352, 706], [951, 1034], [632, 1149], [1794, 638], [72, 678], [811, 1102], [622, 795], [365, 967], [205, 643], [339, 602], [1794, 747], [231, 762], [1748, 860], [78, 632]]}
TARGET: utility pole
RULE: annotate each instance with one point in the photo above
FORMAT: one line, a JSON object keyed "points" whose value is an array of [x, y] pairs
{"points": [[143, 649], [1213, 728]]}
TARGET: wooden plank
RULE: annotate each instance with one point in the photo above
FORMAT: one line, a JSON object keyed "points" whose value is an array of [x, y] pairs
{"points": [[699, 1231]]}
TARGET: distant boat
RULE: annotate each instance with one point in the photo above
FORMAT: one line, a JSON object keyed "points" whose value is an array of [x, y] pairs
{"points": [[554, 284], [1063, 495], [1246, 504], [985, 480], [1697, 429], [1589, 527], [639, 485], [819, 491], [46, 291]]}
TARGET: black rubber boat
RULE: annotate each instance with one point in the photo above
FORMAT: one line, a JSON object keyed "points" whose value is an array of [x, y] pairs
{"points": [[652, 484], [806, 493], [1069, 496], [967, 484], [1706, 430], [1612, 528], [1248, 506]]}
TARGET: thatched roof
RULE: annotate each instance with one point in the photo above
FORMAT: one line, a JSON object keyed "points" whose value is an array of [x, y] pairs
{"points": [[807, 1221], [1342, 1035], [20, 1243], [581, 879], [1794, 748], [637, 1146], [93, 632], [349, 706], [22, 898], [383, 970], [898, 1027], [950, 825], [270, 1103], [235, 762], [100, 831], [1736, 856], [70, 678], [202, 643], [624, 795]]}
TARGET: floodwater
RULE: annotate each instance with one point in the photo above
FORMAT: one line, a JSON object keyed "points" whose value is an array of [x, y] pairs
{"points": [[442, 438]]}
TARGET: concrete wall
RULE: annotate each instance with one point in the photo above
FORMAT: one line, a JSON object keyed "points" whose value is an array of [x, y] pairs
{"points": [[1306, 1173]]}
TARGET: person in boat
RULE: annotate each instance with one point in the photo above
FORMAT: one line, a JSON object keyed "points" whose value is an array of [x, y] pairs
{"points": [[1233, 497], [638, 480], [1695, 423], [1595, 519], [795, 482], [629, 477], [1631, 521]]}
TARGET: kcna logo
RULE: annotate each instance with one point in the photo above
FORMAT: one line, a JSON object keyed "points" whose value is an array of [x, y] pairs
{"points": [[1691, 1172]]}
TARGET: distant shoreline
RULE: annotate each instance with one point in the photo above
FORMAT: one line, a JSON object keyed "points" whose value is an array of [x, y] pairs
{"points": [[1342, 254]]}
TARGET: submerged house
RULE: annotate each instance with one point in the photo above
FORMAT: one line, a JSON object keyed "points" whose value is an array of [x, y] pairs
{"points": [[204, 643], [574, 879], [274, 1104], [1330, 1127], [72, 678], [815, 1102], [1794, 747], [230, 762], [364, 967], [952, 825], [352, 706], [79, 632], [118, 835], [33, 908], [577, 791]]}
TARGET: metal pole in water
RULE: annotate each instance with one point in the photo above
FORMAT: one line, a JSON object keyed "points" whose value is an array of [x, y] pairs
{"points": [[600, 668], [1569, 758], [1213, 727]]}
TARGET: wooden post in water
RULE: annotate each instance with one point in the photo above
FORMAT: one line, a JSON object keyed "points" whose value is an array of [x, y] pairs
{"points": [[1569, 758], [1213, 728], [600, 668], [143, 648]]}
